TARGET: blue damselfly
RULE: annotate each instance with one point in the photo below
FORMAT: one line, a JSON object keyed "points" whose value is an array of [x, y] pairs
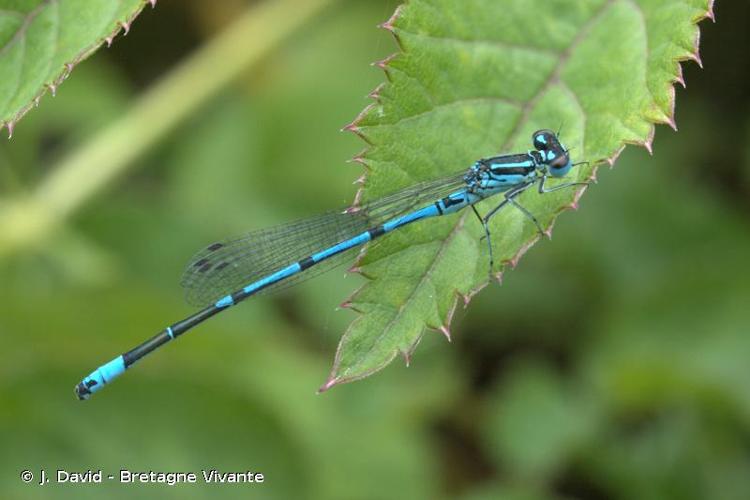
{"points": [[226, 273]]}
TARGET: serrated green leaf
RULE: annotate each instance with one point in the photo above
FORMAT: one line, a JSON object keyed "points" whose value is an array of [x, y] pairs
{"points": [[473, 79], [42, 40]]}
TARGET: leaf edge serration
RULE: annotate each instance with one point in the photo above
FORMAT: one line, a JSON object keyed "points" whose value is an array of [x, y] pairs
{"points": [[68, 67], [334, 378]]}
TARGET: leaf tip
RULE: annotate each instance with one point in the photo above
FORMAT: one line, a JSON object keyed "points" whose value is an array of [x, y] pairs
{"points": [[445, 330], [649, 142], [354, 269], [710, 11], [354, 128], [332, 381], [349, 127], [407, 358], [522, 251], [613, 159], [467, 297], [383, 63], [389, 25], [359, 158], [696, 56], [672, 123], [679, 78], [498, 276], [579, 193], [375, 94], [386, 26]]}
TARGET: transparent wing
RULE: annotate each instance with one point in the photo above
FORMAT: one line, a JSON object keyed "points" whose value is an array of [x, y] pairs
{"points": [[413, 197], [227, 266]]}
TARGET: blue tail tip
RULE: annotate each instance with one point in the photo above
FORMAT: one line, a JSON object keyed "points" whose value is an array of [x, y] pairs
{"points": [[100, 377], [83, 391]]}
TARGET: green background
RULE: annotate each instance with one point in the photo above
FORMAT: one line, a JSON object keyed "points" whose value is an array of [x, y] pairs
{"points": [[612, 363]]}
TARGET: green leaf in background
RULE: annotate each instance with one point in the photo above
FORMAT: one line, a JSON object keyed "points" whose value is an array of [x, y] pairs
{"points": [[42, 40], [476, 78], [536, 423]]}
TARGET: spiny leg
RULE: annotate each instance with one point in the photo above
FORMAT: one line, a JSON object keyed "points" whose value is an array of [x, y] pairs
{"points": [[486, 235], [508, 199], [527, 214], [508, 196], [544, 190]]}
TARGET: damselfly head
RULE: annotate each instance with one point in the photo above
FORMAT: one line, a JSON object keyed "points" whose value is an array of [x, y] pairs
{"points": [[554, 154]]}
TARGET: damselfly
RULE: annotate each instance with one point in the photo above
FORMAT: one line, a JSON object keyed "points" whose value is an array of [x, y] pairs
{"points": [[226, 273]]}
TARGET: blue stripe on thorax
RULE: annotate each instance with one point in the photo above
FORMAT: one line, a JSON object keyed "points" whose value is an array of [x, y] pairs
{"points": [[524, 164], [521, 160]]}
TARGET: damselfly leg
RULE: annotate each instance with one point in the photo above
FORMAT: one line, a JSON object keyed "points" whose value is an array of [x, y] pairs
{"points": [[544, 190], [509, 198]]}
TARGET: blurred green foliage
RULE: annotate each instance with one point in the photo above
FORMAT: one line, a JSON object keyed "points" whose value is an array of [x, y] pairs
{"points": [[610, 364]]}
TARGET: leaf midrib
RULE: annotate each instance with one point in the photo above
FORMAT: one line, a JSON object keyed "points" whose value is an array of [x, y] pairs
{"points": [[526, 108], [554, 75]]}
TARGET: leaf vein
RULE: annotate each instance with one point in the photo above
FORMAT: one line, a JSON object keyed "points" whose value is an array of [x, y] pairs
{"points": [[566, 88], [28, 19], [425, 276], [457, 102], [555, 73], [484, 41]]}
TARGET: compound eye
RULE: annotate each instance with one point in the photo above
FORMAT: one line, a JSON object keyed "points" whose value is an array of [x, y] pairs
{"points": [[560, 161], [543, 139]]}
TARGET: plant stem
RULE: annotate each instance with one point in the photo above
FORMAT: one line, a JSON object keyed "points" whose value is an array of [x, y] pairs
{"points": [[157, 112]]}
